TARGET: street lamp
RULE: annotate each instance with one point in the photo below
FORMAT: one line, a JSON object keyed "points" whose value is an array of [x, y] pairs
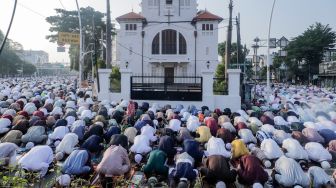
{"points": [[268, 89]]}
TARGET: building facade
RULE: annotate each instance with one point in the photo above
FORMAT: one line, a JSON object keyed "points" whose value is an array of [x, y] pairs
{"points": [[168, 38], [34, 56]]}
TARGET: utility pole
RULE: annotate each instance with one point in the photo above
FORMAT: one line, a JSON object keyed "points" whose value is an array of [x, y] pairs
{"points": [[108, 36], [238, 40], [81, 44], [228, 42]]}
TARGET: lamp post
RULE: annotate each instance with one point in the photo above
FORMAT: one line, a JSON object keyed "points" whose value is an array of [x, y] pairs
{"points": [[268, 89], [81, 57]]}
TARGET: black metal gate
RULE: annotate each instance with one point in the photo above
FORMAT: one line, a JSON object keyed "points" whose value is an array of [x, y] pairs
{"points": [[178, 88]]}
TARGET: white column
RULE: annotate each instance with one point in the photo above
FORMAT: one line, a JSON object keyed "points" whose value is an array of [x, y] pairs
{"points": [[104, 84], [208, 96], [234, 82], [126, 83]]}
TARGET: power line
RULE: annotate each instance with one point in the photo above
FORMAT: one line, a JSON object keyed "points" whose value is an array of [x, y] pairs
{"points": [[31, 10], [62, 4]]}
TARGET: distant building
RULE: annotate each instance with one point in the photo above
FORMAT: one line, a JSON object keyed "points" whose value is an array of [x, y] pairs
{"points": [[34, 56]]}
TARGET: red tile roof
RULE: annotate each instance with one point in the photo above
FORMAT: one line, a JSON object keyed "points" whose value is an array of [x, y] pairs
{"points": [[130, 16], [205, 16]]}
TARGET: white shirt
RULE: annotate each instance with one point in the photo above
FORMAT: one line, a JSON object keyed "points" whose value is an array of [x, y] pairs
{"points": [[247, 136], [192, 125], [68, 143], [149, 131], [141, 144], [37, 159], [320, 176], [59, 133], [317, 152], [175, 125], [216, 146], [271, 149], [294, 149], [289, 173]]}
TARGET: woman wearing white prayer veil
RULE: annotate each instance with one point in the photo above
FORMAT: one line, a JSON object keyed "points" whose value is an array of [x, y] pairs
{"points": [[216, 146]]}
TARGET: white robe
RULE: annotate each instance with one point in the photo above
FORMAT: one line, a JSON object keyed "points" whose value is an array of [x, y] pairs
{"points": [[317, 152], [289, 173], [141, 145], [320, 177], [271, 149], [68, 143], [59, 133], [294, 149], [216, 146], [37, 159], [149, 131]]}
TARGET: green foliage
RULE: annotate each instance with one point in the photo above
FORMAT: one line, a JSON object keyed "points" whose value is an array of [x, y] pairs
{"points": [[333, 57], [101, 64], [115, 79], [220, 86], [67, 21], [10, 62], [309, 47]]}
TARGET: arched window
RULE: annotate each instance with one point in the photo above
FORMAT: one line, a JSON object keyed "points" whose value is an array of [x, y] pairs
{"points": [[169, 41], [156, 44], [182, 45]]}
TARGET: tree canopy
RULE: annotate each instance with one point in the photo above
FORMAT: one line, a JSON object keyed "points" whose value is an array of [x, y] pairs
{"points": [[67, 21], [307, 49], [221, 51], [10, 62]]}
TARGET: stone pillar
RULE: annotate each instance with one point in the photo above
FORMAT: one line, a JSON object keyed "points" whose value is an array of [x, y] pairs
{"points": [[104, 84], [208, 96], [234, 82], [126, 83]]}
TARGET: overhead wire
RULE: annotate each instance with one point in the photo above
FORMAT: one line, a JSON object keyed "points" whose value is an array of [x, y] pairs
{"points": [[31, 10], [60, 1]]}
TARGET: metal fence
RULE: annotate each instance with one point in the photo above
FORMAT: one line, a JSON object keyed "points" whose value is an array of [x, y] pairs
{"points": [[166, 88]]}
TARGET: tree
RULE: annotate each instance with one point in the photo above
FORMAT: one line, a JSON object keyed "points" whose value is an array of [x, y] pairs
{"points": [[10, 62], [221, 51], [307, 49], [67, 21], [219, 84]]}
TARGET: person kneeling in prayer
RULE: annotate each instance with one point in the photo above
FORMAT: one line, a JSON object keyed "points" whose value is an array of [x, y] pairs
{"points": [[37, 159], [156, 164], [115, 162], [317, 153], [7, 153], [78, 163], [183, 171], [287, 172]]}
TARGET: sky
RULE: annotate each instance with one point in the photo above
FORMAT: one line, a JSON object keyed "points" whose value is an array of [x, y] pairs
{"points": [[290, 18]]}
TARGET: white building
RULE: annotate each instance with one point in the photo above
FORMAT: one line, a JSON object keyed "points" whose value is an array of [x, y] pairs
{"points": [[168, 54], [34, 56], [168, 38]]}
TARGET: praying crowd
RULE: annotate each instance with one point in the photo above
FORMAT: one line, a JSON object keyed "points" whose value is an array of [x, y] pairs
{"points": [[286, 140]]}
